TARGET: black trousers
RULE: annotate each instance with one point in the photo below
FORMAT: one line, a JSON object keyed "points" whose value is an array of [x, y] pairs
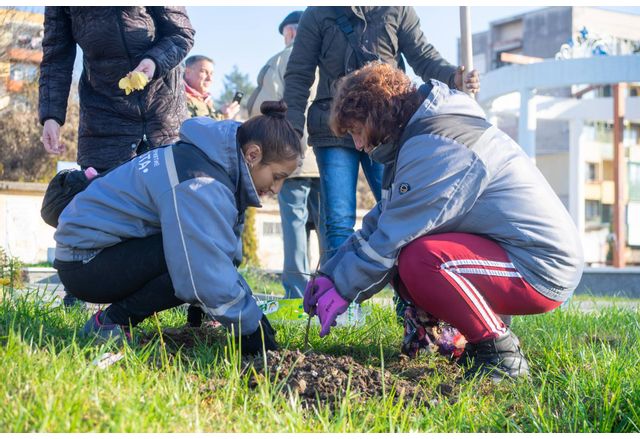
{"points": [[132, 276]]}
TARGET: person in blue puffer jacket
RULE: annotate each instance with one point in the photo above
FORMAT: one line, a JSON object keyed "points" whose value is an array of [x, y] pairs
{"points": [[467, 228], [165, 228]]}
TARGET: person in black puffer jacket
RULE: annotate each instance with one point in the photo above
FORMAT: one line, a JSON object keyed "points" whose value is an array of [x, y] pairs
{"points": [[114, 41]]}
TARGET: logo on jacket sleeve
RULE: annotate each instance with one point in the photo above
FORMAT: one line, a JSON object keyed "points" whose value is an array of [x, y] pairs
{"points": [[404, 188]]}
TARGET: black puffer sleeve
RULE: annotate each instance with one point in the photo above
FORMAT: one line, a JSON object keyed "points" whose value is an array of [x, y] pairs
{"points": [[176, 39], [301, 69], [56, 68]]}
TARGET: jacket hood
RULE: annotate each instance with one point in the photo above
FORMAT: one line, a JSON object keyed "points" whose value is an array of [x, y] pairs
{"points": [[440, 100], [217, 139], [443, 100]]}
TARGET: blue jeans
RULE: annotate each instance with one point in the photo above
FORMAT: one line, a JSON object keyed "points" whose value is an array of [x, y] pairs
{"points": [[299, 201], [338, 179]]}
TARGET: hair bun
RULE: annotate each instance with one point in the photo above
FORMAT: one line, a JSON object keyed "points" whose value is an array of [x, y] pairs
{"points": [[276, 109]]}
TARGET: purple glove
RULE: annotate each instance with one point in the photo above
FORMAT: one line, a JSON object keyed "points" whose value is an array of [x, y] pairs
{"points": [[322, 298]]}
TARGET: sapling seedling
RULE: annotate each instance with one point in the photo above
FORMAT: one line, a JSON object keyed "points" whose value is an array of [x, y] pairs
{"points": [[306, 344]]}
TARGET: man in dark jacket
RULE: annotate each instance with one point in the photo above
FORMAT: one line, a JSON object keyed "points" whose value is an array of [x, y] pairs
{"points": [[380, 32], [114, 42]]}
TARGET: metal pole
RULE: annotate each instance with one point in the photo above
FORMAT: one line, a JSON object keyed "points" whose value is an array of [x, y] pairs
{"points": [[619, 229], [466, 49]]}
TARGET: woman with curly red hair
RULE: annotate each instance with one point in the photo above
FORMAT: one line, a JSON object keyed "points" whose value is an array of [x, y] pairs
{"points": [[467, 225]]}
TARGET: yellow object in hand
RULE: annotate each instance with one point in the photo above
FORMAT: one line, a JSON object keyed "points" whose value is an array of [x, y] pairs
{"points": [[133, 81]]}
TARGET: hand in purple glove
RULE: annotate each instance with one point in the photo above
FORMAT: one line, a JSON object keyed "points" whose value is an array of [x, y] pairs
{"points": [[322, 298]]}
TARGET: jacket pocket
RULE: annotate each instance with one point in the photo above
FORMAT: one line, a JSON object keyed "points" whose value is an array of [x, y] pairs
{"points": [[318, 118], [328, 37]]}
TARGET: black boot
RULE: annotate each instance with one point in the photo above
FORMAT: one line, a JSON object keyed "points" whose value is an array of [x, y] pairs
{"points": [[500, 358], [195, 316]]}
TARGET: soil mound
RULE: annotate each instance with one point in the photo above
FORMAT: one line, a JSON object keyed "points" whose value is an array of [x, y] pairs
{"points": [[319, 378]]}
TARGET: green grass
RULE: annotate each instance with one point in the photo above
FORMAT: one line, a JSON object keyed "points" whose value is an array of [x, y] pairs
{"points": [[261, 282], [585, 373]]}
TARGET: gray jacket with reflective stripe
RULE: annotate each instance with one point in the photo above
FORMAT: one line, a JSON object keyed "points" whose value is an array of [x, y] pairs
{"points": [[179, 191], [460, 174]]}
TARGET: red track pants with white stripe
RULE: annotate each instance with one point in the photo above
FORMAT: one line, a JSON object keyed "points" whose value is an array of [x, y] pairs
{"points": [[466, 280]]}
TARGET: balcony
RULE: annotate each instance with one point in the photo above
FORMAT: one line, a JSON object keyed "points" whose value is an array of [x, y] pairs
{"points": [[25, 55], [602, 191], [14, 86]]}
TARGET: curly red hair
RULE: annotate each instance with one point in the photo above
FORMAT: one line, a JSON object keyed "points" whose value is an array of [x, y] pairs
{"points": [[377, 97]]}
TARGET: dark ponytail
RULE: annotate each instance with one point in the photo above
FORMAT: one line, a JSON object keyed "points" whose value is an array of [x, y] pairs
{"points": [[272, 132]]}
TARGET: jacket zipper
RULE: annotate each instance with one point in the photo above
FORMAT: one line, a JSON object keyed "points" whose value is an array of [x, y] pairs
{"points": [[360, 16], [131, 66]]}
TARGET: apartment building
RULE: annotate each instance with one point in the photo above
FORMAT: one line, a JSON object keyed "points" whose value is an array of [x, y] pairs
{"points": [[580, 112], [21, 35]]}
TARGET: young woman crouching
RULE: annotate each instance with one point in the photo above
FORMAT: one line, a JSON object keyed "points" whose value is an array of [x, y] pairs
{"points": [[165, 228]]}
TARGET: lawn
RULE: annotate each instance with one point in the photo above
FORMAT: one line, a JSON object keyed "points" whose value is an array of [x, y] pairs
{"points": [[585, 373]]}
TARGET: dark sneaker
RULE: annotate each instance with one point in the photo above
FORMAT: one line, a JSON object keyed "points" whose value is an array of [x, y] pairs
{"points": [[499, 358], [69, 301], [103, 332]]}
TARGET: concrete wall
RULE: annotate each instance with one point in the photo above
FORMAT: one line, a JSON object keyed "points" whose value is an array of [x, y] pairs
{"points": [[552, 136], [554, 168], [603, 23], [606, 281], [23, 234], [545, 30]]}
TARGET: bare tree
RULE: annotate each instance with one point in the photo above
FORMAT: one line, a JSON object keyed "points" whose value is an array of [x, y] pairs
{"points": [[22, 156]]}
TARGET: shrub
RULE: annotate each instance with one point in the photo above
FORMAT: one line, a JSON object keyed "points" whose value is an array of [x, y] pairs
{"points": [[10, 271], [249, 240]]}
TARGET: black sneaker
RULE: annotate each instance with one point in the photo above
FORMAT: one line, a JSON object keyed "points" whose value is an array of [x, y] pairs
{"points": [[499, 358], [69, 301]]}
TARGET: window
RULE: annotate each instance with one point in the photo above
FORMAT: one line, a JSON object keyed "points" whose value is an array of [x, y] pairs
{"points": [[607, 213], [271, 229], [591, 173], [599, 131], [634, 181], [593, 211], [630, 133]]}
